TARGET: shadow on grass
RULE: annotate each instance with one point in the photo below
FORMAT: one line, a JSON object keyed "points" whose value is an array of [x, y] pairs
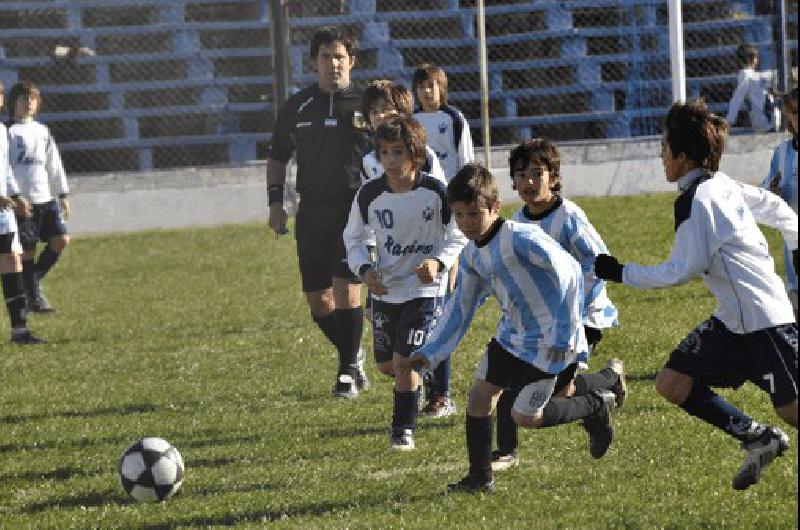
{"points": [[92, 500], [118, 441], [140, 408], [62, 473], [641, 377], [377, 430]]}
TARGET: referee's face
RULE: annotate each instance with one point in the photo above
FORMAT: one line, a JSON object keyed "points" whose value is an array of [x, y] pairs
{"points": [[333, 65]]}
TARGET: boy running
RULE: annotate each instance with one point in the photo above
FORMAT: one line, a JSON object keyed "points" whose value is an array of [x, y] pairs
{"points": [[405, 215], [539, 287], [752, 335]]}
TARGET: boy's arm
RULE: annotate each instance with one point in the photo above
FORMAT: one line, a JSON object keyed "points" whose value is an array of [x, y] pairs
{"points": [[771, 210], [586, 244], [357, 236], [471, 291], [737, 99], [55, 169], [454, 241], [466, 151], [772, 181]]}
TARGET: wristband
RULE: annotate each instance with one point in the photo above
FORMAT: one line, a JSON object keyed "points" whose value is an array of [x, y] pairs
{"points": [[275, 194]]}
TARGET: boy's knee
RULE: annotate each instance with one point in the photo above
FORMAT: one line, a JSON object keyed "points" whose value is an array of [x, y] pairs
{"points": [[529, 422], [788, 413], [673, 386]]}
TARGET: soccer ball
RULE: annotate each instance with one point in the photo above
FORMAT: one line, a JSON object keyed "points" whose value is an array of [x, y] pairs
{"points": [[151, 470]]}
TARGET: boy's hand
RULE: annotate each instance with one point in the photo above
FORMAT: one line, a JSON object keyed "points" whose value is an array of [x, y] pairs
{"points": [[427, 270], [6, 203], [374, 283], [65, 209], [415, 361], [557, 354], [608, 268], [277, 219], [23, 207]]}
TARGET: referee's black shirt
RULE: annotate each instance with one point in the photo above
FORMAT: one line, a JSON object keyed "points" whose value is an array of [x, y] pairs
{"points": [[329, 135]]}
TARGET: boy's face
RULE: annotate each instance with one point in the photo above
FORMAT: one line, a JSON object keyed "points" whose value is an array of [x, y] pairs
{"points": [[333, 65], [396, 160], [674, 166], [380, 113], [533, 184], [473, 220], [429, 95], [26, 106]]}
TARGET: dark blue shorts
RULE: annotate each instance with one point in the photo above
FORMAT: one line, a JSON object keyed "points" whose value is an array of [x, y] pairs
{"points": [[713, 355], [45, 223], [402, 328]]}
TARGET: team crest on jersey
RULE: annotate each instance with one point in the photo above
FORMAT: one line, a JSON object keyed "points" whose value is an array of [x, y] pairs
{"points": [[443, 128], [427, 214]]}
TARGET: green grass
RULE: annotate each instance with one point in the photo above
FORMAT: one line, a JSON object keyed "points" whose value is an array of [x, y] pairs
{"points": [[202, 337]]}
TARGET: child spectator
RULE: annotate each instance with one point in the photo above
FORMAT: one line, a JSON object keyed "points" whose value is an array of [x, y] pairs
{"points": [[752, 335], [37, 165], [404, 214], [754, 92], [539, 287], [536, 175], [10, 248], [782, 179]]}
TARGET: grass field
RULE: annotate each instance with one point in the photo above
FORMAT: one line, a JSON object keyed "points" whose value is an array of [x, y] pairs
{"points": [[202, 337]]}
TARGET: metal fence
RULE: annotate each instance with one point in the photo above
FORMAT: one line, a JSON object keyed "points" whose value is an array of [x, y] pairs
{"points": [[148, 84]]}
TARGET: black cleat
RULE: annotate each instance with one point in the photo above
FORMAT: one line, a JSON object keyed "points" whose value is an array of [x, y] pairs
{"points": [[26, 338], [760, 453], [599, 425], [620, 388], [470, 484]]}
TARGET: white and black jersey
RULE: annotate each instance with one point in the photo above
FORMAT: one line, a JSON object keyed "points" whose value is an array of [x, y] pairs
{"points": [[753, 93], [8, 186], [406, 228], [371, 168], [717, 238], [448, 134], [35, 161]]}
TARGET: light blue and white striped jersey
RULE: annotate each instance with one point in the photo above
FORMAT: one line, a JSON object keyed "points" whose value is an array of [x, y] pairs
{"points": [[782, 177], [538, 285], [567, 223]]}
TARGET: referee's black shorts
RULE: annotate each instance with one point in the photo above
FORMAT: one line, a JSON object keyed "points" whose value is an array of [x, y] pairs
{"points": [[320, 249]]}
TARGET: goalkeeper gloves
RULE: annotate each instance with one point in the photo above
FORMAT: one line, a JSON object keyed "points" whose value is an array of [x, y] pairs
{"points": [[608, 268]]}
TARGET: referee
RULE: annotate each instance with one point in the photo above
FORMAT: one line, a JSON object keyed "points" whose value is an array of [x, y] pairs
{"points": [[323, 127]]}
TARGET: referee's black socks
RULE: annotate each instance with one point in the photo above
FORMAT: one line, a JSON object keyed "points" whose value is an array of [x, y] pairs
{"points": [[350, 324]]}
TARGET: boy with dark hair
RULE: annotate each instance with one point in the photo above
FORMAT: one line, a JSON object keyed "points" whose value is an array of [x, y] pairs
{"points": [[782, 179], [404, 215], [536, 175], [10, 248], [751, 335], [539, 287], [322, 127], [36, 164], [754, 91]]}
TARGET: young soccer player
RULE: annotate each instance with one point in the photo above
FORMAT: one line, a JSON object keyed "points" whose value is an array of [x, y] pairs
{"points": [[383, 100], [751, 335], [10, 248], [448, 130], [37, 165], [782, 179], [754, 91], [539, 287], [404, 213], [449, 135], [536, 174]]}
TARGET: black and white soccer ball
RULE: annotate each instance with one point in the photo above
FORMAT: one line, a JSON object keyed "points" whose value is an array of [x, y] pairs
{"points": [[151, 470]]}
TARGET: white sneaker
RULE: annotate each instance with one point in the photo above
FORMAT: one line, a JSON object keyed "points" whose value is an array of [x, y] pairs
{"points": [[402, 439], [345, 387], [504, 461], [439, 407], [760, 453]]}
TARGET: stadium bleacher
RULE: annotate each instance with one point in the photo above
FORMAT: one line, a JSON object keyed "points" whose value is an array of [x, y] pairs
{"points": [[189, 82]]}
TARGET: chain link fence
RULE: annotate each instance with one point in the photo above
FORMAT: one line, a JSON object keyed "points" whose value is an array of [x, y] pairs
{"points": [[150, 84]]}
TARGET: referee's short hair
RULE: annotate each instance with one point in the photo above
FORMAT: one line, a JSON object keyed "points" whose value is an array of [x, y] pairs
{"points": [[329, 35], [408, 131], [692, 129], [473, 184]]}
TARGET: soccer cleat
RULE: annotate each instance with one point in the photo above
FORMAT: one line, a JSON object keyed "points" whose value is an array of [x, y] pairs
{"points": [[439, 407], [362, 382], [402, 439], [471, 484], [772, 443], [504, 461], [599, 425], [26, 337], [40, 305], [345, 387], [620, 388]]}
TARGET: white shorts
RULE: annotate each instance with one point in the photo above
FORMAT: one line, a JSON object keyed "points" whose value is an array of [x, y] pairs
{"points": [[8, 225]]}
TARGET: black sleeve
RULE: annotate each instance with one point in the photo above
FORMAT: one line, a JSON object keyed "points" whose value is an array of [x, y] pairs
{"points": [[282, 144]]}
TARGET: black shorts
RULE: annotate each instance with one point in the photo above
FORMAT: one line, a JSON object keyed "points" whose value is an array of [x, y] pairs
{"points": [[6, 243], [501, 368], [713, 355], [402, 328], [45, 223], [320, 248]]}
